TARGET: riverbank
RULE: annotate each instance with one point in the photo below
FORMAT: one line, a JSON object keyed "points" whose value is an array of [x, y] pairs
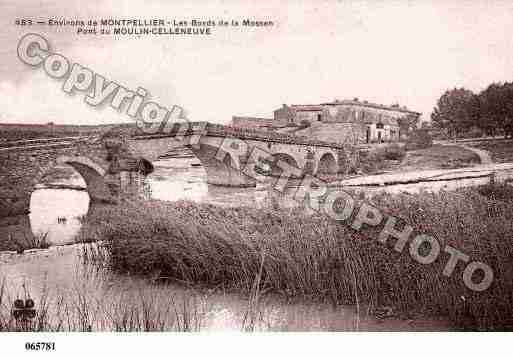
{"points": [[73, 294], [300, 255]]}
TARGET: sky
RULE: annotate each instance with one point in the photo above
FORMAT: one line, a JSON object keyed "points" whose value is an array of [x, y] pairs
{"points": [[406, 52]]}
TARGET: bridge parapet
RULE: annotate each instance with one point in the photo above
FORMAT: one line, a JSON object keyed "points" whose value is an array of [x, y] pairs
{"points": [[227, 162], [101, 162], [218, 130]]}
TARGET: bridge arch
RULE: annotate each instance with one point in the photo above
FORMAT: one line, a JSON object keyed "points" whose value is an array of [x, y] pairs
{"points": [[327, 164], [82, 162], [284, 157], [221, 167], [92, 173], [145, 166]]}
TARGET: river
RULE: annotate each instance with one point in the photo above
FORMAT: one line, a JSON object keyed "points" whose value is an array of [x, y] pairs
{"points": [[58, 212], [81, 296]]}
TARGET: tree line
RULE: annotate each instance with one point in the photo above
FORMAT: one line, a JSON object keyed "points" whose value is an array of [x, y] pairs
{"points": [[459, 110]]}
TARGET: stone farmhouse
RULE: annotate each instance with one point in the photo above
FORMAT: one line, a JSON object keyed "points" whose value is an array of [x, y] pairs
{"points": [[344, 121]]}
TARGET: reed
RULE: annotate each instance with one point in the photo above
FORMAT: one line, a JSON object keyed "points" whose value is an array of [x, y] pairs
{"points": [[78, 310], [38, 241], [314, 257]]}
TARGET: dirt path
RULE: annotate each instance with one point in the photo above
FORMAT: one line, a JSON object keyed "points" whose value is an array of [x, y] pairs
{"points": [[484, 156], [429, 180]]}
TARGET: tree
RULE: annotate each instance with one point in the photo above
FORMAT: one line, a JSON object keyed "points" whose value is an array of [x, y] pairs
{"points": [[508, 111], [456, 110], [493, 111], [496, 103]]}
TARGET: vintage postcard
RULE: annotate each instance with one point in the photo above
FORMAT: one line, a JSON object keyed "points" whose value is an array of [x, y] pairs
{"points": [[255, 166]]}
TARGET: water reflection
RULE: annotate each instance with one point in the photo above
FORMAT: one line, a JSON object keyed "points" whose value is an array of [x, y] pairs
{"points": [[59, 212], [182, 178], [82, 296], [176, 179]]}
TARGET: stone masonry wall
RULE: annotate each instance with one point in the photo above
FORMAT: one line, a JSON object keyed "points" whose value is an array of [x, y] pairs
{"points": [[21, 169]]}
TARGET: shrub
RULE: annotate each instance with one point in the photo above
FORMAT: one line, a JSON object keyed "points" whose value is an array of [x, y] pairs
{"points": [[375, 160], [372, 161], [394, 152], [474, 132], [419, 139]]}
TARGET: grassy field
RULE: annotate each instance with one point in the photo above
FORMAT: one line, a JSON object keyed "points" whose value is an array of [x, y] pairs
{"points": [[394, 158], [313, 257], [439, 157], [500, 150], [15, 132], [12, 132]]}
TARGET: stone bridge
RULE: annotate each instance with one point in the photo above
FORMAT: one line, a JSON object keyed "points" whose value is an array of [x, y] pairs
{"points": [[229, 154], [105, 164], [114, 165]]}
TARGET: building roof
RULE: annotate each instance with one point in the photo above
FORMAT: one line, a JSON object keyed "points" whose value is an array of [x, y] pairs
{"points": [[306, 107], [251, 118], [319, 107], [372, 105]]}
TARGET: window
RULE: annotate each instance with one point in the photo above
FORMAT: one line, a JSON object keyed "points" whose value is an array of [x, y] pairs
{"points": [[319, 117], [379, 126]]}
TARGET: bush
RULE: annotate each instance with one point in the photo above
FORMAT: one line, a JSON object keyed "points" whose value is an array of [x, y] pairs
{"points": [[375, 159], [394, 152], [474, 132], [419, 139]]}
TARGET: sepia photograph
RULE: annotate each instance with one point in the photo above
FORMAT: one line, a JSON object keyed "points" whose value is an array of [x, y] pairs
{"points": [[254, 168]]}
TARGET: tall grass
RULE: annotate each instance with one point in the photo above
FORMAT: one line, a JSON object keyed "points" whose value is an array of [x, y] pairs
{"points": [[314, 257], [22, 242], [252, 315], [78, 310], [37, 241]]}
